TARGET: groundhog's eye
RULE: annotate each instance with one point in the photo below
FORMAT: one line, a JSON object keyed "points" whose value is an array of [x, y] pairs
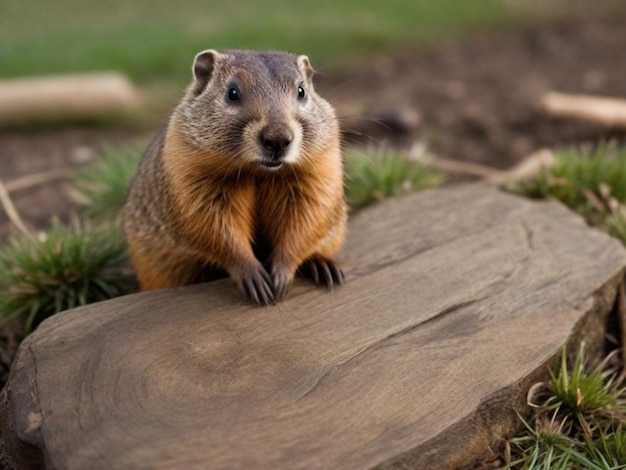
{"points": [[234, 94], [301, 93]]}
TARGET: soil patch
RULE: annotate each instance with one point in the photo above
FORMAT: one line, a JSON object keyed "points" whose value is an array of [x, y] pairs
{"points": [[478, 99]]}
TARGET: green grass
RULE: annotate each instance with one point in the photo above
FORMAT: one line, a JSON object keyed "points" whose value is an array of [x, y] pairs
{"points": [[610, 448], [377, 173], [586, 179], [577, 422], [157, 39], [543, 446], [584, 395], [64, 268], [589, 180], [100, 189]]}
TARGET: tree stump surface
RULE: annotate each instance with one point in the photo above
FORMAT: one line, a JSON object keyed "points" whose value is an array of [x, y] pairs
{"points": [[457, 300]]}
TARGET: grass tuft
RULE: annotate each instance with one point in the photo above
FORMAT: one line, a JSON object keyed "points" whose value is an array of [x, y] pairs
{"points": [[100, 189], [609, 448], [67, 267], [581, 393], [583, 178], [577, 424], [377, 173], [542, 447]]}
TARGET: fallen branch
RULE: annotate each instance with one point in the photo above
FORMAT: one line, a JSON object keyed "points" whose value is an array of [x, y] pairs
{"points": [[609, 112], [28, 181], [528, 168], [58, 98]]}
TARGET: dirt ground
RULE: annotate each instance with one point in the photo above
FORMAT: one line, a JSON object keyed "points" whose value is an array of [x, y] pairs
{"points": [[479, 99], [474, 100]]}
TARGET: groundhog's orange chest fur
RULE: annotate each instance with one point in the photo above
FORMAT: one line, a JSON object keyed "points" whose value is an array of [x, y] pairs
{"points": [[294, 208]]}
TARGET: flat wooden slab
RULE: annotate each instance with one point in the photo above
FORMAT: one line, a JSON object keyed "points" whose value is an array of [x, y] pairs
{"points": [[456, 301]]}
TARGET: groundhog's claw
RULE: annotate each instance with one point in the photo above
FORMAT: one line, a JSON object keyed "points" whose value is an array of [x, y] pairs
{"points": [[256, 285], [281, 282], [323, 271]]}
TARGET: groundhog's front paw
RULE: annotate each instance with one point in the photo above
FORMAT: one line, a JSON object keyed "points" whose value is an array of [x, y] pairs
{"points": [[322, 271], [281, 280], [256, 284]]}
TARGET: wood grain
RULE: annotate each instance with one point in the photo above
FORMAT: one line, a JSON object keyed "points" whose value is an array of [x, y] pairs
{"points": [[456, 301]]}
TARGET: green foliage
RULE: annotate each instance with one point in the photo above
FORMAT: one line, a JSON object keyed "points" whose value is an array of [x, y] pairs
{"points": [[67, 267], [577, 422], [582, 178], [542, 447], [101, 187], [77, 264], [376, 173], [609, 448], [578, 392], [151, 40]]}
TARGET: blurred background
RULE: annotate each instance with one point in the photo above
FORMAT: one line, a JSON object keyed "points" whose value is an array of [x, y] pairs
{"points": [[462, 79], [152, 40]]}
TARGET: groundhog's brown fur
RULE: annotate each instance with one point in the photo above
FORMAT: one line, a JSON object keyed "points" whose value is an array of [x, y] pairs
{"points": [[247, 178]]}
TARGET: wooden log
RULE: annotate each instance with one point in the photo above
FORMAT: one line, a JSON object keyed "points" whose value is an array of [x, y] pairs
{"points": [[457, 301], [609, 112], [63, 98]]}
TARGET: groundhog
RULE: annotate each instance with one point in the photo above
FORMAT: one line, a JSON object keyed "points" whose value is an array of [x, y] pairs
{"points": [[246, 179]]}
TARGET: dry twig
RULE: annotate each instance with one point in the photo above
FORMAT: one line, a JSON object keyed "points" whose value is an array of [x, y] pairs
{"points": [[11, 211]]}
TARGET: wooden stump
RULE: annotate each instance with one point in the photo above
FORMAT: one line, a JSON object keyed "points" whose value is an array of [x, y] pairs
{"points": [[457, 300]]}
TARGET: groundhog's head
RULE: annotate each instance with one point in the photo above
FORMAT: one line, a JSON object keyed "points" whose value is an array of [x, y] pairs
{"points": [[256, 108]]}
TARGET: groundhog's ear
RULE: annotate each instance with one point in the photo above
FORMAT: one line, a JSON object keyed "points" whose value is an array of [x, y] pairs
{"points": [[305, 66], [203, 68]]}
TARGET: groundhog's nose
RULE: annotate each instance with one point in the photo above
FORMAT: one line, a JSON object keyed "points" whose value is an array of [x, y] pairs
{"points": [[275, 139]]}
